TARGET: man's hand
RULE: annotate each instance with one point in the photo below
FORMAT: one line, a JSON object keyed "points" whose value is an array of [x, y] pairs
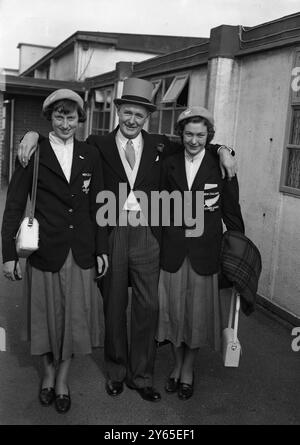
{"points": [[102, 265], [27, 147], [228, 163], [12, 270]]}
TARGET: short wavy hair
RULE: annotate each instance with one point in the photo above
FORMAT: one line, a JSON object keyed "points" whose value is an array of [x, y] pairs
{"points": [[179, 128], [65, 106]]}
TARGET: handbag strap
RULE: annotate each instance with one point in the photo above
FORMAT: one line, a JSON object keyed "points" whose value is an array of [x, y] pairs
{"points": [[236, 318], [231, 308], [234, 307], [34, 186]]}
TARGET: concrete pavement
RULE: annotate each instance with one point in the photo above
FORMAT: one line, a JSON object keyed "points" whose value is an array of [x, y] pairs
{"points": [[265, 389]]}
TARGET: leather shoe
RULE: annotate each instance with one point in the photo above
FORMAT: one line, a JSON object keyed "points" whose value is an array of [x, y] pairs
{"points": [[114, 388], [171, 385], [185, 391], [62, 403], [148, 393], [46, 396]]}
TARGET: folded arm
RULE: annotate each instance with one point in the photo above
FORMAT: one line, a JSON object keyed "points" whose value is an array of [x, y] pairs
{"points": [[231, 210]]}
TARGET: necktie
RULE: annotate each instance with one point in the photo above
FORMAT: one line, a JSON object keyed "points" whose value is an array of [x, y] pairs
{"points": [[129, 153]]}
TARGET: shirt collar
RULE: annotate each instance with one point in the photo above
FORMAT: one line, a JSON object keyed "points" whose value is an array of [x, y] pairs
{"points": [[123, 140], [198, 156], [57, 141]]}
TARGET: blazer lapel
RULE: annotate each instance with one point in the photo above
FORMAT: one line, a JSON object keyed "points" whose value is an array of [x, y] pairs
{"points": [[207, 165], [178, 171], [49, 159], [148, 157], [79, 155], [110, 152]]}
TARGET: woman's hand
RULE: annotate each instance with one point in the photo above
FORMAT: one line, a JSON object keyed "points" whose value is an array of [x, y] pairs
{"points": [[27, 147], [12, 270], [228, 163]]}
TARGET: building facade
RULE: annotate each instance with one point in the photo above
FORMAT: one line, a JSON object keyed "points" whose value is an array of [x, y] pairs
{"points": [[250, 79]]}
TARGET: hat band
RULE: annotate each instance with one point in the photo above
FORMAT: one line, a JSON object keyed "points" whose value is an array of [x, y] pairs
{"points": [[136, 98]]}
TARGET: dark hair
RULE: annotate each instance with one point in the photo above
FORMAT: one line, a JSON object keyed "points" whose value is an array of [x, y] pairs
{"points": [[195, 119], [65, 106]]}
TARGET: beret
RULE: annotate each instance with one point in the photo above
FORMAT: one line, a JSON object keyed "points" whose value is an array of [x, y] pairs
{"points": [[196, 111], [61, 95]]}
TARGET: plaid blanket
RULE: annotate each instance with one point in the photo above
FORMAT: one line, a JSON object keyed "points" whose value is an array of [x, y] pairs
{"points": [[241, 265]]}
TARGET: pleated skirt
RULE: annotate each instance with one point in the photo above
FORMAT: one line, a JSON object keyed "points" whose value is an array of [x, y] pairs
{"points": [[189, 308], [63, 311]]}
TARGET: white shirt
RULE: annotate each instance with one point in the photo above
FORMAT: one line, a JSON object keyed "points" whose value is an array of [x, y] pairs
{"points": [[64, 153], [192, 164], [121, 141]]}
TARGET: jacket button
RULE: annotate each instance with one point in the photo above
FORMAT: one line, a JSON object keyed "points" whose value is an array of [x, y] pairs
{"points": [[71, 227]]}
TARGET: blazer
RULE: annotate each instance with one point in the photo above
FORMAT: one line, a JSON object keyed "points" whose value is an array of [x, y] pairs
{"points": [[221, 202], [156, 148], [66, 212]]}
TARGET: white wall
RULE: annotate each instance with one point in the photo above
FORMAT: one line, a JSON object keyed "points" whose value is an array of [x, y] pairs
{"points": [[197, 87], [63, 68], [103, 58], [271, 218], [29, 54]]}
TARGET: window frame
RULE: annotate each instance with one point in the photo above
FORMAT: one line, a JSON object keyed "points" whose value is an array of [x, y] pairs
{"points": [[168, 106], [107, 108], [294, 104]]}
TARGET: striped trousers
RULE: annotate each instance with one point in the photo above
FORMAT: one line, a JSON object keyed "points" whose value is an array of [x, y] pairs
{"points": [[134, 260]]}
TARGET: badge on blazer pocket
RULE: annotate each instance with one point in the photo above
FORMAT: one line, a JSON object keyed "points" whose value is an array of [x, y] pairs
{"points": [[211, 197], [86, 182]]}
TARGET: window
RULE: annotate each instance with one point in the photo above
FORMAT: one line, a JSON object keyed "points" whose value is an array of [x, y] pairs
{"points": [[101, 112], [171, 97], [290, 176]]}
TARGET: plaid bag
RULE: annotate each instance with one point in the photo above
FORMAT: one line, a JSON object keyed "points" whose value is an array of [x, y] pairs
{"points": [[241, 266]]}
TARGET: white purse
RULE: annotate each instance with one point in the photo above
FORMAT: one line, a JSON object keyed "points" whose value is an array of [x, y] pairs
{"points": [[27, 238], [231, 345]]}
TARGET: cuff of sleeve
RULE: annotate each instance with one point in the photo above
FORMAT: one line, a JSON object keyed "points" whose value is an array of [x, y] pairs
{"points": [[231, 151]]}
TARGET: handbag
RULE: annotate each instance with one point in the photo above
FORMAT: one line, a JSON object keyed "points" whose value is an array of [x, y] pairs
{"points": [[230, 342], [27, 238]]}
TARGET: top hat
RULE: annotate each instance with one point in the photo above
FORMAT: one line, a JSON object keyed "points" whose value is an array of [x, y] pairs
{"points": [[196, 111], [62, 94], [138, 92]]}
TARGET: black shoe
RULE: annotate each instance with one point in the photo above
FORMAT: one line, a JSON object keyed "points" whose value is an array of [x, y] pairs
{"points": [[62, 403], [185, 391], [148, 393], [171, 385], [46, 396], [114, 388]]}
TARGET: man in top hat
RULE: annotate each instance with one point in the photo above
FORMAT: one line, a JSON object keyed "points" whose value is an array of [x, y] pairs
{"points": [[131, 157]]}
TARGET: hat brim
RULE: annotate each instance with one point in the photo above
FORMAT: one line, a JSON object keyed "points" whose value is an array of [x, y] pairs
{"points": [[147, 105]]}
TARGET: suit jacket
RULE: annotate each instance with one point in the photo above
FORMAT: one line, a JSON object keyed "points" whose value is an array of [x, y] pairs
{"points": [[149, 173], [66, 212], [156, 148], [221, 202]]}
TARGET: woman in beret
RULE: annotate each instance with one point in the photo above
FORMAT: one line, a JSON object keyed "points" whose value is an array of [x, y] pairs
{"points": [[189, 310], [64, 304]]}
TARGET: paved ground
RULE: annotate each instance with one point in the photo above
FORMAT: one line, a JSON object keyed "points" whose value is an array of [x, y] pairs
{"points": [[265, 389]]}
